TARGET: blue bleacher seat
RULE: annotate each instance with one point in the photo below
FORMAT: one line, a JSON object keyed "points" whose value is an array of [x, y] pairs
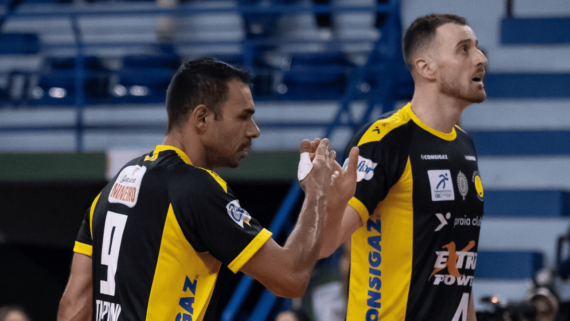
{"points": [[522, 143], [19, 44], [57, 84], [508, 265], [316, 76], [527, 85], [144, 79], [4, 97], [535, 31], [527, 204]]}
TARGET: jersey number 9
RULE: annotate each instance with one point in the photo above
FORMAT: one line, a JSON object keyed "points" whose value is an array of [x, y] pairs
{"points": [[112, 236]]}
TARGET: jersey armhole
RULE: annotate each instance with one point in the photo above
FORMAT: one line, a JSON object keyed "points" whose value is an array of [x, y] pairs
{"points": [[250, 250], [360, 208], [91, 215]]}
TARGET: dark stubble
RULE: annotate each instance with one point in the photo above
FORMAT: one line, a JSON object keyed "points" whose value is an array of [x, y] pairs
{"points": [[454, 89]]}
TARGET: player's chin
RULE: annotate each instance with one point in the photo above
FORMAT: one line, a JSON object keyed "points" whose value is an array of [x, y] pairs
{"points": [[237, 160], [477, 97]]}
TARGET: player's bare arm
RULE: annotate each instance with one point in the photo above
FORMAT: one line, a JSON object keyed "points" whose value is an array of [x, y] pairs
{"points": [[76, 301], [341, 219], [471, 313], [338, 229], [286, 270]]}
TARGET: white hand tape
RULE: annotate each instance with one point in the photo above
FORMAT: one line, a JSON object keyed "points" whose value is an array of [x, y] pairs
{"points": [[305, 166]]}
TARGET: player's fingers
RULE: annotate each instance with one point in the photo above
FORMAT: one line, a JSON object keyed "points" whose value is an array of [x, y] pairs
{"points": [[332, 158], [323, 148], [337, 167], [353, 161], [305, 146], [314, 144]]}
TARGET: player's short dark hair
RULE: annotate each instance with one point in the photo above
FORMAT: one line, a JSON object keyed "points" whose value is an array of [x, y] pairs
{"points": [[422, 31], [200, 81]]}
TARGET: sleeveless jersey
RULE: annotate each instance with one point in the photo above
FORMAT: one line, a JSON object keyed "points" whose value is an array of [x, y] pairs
{"points": [[158, 235], [420, 197]]}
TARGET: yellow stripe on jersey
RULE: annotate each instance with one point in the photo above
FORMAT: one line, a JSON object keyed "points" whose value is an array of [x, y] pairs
{"points": [[397, 214], [381, 257], [360, 208], [91, 214], [83, 248], [186, 159], [249, 250], [184, 279], [218, 179], [160, 148], [381, 127], [446, 136]]}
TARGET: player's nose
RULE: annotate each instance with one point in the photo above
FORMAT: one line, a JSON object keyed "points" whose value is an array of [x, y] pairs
{"points": [[253, 130], [481, 59]]}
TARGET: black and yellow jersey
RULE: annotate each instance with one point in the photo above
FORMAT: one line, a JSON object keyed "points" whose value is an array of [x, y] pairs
{"points": [[420, 198], [158, 235]]}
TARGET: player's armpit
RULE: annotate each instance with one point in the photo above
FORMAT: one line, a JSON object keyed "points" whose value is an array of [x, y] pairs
{"points": [[274, 267], [335, 235], [76, 303]]}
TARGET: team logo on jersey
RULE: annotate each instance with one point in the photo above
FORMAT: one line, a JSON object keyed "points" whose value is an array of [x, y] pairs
{"points": [[462, 184], [478, 185], [127, 186], [365, 168], [441, 185], [454, 261], [442, 220], [237, 213]]}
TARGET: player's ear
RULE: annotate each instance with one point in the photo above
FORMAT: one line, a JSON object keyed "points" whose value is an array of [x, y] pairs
{"points": [[198, 117], [424, 67]]}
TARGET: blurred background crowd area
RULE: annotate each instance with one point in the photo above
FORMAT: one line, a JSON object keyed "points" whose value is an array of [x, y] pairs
{"points": [[82, 88]]}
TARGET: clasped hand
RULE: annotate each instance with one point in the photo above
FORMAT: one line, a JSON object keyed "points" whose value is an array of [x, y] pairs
{"points": [[327, 176]]}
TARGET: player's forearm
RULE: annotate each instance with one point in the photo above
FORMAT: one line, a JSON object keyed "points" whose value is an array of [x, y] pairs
{"points": [[331, 231], [303, 245], [74, 309]]}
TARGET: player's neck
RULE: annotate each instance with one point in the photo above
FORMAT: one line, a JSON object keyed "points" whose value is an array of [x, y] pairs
{"points": [[438, 111], [184, 142]]}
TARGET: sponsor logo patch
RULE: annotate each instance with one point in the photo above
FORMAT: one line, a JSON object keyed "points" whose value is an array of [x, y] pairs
{"points": [[441, 185], [462, 184], [237, 213], [127, 186], [454, 261], [442, 220], [365, 168], [478, 185], [465, 221], [434, 157]]}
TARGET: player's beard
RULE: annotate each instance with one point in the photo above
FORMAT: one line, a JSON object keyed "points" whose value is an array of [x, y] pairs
{"points": [[454, 89]]}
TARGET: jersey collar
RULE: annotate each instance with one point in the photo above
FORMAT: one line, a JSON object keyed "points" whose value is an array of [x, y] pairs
{"points": [[160, 148], [447, 136]]}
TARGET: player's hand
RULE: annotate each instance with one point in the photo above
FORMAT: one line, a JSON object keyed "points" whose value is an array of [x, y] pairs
{"points": [[321, 176], [345, 184]]}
